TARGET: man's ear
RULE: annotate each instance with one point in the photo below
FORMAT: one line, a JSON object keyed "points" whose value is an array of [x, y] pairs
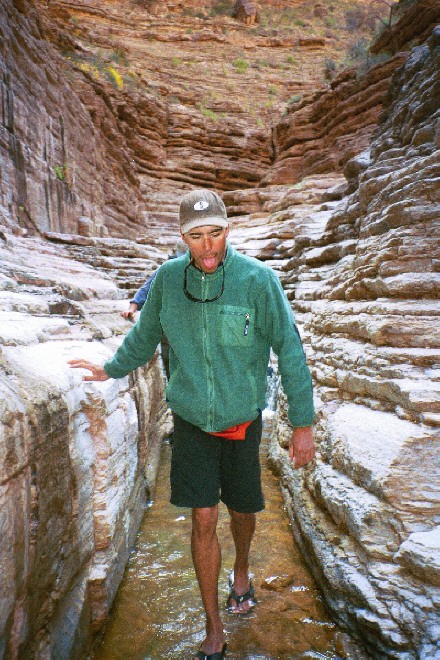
{"points": [[182, 236], [227, 231]]}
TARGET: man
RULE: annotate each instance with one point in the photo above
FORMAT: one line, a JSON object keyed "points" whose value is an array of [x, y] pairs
{"points": [[138, 301], [139, 298], [222, 313]]}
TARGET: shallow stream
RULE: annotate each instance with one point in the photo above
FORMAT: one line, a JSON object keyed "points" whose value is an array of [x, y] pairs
{"points": [[157, 612]]}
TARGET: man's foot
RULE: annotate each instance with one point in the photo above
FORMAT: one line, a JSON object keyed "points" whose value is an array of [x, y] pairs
{"points": [[201, 655], [241, 599]]}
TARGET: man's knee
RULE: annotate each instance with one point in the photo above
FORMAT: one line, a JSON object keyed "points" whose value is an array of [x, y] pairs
{"points": [[242, 517], [204, 521]]}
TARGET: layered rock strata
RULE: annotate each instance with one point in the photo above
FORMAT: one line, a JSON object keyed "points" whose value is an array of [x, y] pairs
{"points": [[97, 108], [409, 23], [206, 137], [63, 143], [78, 460], [323, 132], [366, 293]]}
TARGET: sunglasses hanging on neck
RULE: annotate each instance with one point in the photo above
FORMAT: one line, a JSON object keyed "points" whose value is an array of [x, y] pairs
{"points": [[199, 300]]}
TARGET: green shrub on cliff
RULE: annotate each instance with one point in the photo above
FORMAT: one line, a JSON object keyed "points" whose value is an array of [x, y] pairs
{"points": [[206, 112], [119, 56], [296, 98], [240, 65], [290, 59], [60, 171]]}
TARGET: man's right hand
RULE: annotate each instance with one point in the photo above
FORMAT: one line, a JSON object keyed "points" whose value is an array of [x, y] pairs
{"points": [[98, 372]]}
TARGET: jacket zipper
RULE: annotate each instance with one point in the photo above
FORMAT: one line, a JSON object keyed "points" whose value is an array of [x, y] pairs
{"points": [[246, 325], [210, 379]]}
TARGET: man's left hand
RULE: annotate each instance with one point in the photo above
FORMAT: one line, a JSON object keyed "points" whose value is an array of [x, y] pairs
{"points": [[302, 446]]}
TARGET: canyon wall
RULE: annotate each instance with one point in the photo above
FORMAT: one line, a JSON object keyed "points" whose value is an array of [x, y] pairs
{"points": [[84, 156], [322, 131], [84, 139], [105, 105], [78, 460], [66, 162], [409, 24], [366, 284]]}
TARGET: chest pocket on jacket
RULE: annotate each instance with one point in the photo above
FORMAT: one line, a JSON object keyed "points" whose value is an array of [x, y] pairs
{"points": [[235, 325]]}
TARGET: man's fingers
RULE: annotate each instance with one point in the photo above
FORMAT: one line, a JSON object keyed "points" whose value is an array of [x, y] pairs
{"points": [[98, 372], [302, 446], [80, 364], [302, 458], [300, 461]]}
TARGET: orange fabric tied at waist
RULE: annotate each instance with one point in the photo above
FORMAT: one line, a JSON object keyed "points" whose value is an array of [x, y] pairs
{"points": [[235, 432]]}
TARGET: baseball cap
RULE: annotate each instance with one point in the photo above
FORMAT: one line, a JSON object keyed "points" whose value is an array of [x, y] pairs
{"points": [[202, 207]]}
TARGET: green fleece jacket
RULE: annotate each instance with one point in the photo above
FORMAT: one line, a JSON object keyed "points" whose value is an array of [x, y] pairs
{"points": [[219, 351]]}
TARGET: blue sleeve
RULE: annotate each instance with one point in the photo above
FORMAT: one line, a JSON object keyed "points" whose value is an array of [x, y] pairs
{"points": [[141, 294], [141, 341]]}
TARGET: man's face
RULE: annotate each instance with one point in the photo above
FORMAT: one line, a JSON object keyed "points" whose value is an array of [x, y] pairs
{"points": [[207, 245]]}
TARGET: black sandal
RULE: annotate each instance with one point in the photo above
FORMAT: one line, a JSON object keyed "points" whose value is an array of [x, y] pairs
{"points": [[233, 596], [213, 656]]}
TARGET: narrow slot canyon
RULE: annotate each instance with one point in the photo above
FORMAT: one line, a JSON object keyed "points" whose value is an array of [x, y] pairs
{"points": [[318, 124]]}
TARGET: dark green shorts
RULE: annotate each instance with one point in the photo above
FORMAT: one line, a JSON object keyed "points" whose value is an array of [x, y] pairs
{"points": [[206, 469]]}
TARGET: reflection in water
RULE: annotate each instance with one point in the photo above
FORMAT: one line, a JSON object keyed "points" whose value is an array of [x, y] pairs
{"points": [[157, 612]]}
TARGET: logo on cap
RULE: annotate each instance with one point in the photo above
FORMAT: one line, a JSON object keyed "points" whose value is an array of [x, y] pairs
{"points": [[201, 205]]}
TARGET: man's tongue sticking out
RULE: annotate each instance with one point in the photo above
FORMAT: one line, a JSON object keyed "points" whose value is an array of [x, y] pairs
{"points": [[209, 264]]}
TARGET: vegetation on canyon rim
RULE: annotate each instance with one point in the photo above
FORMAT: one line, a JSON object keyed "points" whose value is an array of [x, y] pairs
{"points": [[101, 66], [241, 65], [345, 29]]}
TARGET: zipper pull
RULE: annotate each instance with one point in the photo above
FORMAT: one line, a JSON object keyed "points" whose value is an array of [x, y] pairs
{"points": [[246, 325]]}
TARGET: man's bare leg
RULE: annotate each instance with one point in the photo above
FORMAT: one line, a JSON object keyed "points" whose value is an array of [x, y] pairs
{"points": [[242, 528], [206, 556]]}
